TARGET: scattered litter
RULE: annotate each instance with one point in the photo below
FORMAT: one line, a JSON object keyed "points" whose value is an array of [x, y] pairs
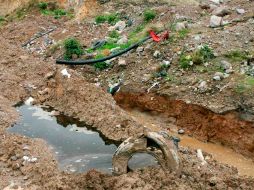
{"points": [[32, 159], [29, 101], [65, 73], [154, 84]]}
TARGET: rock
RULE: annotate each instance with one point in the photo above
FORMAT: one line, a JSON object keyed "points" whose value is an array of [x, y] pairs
{"points": [[217, 2], [14, 158], [120, 26], [122, 62], [240, 11], [157, 54], [44, 92], [202, 86], [180, 26], [50, 75], [123, 40], [218, 76], [215, 21], [221, 11], [225, 65], [140, 49], [181, 131], [166, 63], [212, 181]]}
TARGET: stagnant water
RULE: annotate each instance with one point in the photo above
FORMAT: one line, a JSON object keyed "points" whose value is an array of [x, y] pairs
{"points": [[77, 148], [220, 153]]}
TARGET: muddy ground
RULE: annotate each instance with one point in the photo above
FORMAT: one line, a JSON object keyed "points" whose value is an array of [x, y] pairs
{"points": [[217, 115]]}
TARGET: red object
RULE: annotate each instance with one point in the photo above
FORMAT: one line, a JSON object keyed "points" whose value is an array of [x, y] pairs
{"points": [[154, 36], [165, 35]]}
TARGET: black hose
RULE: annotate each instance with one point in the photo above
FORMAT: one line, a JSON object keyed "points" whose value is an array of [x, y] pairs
{"points": [[90, 61]]}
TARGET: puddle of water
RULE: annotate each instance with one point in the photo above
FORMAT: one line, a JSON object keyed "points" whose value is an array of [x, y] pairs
{"points": [[220, 153], [77, 148]]}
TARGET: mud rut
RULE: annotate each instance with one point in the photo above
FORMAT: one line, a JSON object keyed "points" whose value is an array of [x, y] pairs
{"points": [[229, 129]]}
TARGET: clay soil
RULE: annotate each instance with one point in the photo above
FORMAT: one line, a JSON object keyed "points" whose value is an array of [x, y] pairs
{"points": [[25, 73]]}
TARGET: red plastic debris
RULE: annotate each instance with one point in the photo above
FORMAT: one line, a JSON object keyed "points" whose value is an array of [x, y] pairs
{"points": [[155, 37], [165, 35]]}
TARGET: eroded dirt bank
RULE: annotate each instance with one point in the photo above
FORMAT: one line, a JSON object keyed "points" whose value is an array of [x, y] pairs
{"points": [[228, 129]]}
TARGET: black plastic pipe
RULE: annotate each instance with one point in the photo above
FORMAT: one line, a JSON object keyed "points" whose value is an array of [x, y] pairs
{"points": [[91, 61]]}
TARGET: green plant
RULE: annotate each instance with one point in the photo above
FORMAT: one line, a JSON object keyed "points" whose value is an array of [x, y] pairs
{"points": [[237, 55], [43, 5], [100, 65], [162, 71], [245, 85], [206, 52], [184, 61], [2, 20], [114, 34], [72, 46], [149, 15], [183, 33], [110, 18]]}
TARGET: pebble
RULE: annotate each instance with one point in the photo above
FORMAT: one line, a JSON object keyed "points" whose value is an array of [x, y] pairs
{"points": [[218, 76], [157, 54], [122, 62], [203, 86], [181, 131], [180, 26], [140, 49], [225, 65], [123, 40], [240, 11]]}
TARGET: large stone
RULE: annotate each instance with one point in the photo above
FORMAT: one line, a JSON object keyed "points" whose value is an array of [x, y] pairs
{"points": [[215, 21], [120, 25], [221, 11], [225, 65]]}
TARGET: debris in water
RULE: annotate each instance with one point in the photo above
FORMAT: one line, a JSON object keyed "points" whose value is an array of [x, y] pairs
{"points": [[29, 101]]}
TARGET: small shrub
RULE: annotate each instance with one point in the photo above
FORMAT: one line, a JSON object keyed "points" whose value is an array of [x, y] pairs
{"points": [[184, 61], [100, 19], [111, 18], [149, 15], [183, 33], [101, 66], [72, 46], [207, 52], [245, 85], [114, 34], [43, 5], [237, 55]]}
